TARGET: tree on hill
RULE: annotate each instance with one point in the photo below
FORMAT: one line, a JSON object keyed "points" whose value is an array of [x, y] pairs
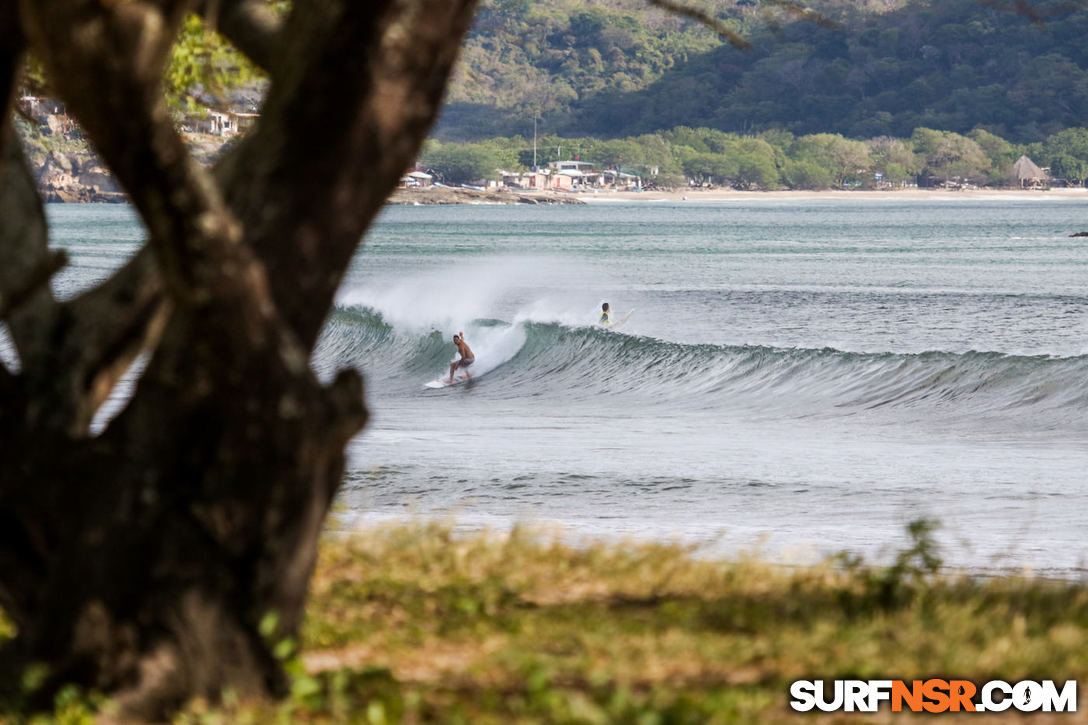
{"points": [[950, 156], [705, 168], [1066, 153], [842, 156], [165, 556], [1001, 154], [466, 163], [806, 174], [893, 158], [756, 162]]}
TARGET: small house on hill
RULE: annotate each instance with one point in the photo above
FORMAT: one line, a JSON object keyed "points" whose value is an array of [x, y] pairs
{"points": [[1026, 175]]}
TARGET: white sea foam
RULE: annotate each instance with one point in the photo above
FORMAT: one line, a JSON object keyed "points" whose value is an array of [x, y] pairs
{"points": [[512, 288]]}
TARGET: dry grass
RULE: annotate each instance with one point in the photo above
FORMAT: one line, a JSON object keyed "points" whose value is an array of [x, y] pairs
{"points": [[522, 628], [412, 623]]}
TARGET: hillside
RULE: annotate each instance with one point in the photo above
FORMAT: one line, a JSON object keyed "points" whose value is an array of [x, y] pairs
{"points": [[620, 69], [942, 94], [527, 58]]}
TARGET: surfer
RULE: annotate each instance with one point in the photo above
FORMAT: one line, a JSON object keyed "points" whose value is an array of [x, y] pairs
{"points": [[466, 359], [606, 315]]}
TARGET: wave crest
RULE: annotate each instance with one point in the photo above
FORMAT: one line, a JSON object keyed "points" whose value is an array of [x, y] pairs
{"points": [[583, 363]]}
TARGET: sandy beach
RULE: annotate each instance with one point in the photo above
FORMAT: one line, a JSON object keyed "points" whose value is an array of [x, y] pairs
{"points": [[712, 195], [448, 195]]}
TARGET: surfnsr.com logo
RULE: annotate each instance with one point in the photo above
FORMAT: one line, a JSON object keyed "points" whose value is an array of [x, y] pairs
{"points": [[933, 696]]}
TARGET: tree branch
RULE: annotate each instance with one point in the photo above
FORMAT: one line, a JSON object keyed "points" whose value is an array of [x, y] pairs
{"points": [[338, 128], [194, 238], [23, 238], [29, 305], [792, 7], [11, 55], [111, 323], [249, 24], [38, 278], [98, 336], [107, 326], [704, 18], [107, 60]]}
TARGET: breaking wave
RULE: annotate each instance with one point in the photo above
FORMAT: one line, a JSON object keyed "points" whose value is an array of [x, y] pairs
{"points": [[579, 364]]}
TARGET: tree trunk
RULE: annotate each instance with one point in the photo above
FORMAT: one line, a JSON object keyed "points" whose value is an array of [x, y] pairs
{"points": [[142, 561]]}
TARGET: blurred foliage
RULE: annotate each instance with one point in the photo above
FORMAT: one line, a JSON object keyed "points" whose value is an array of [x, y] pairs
{"points": [[34, 81], [415, 623], [203, 68]]}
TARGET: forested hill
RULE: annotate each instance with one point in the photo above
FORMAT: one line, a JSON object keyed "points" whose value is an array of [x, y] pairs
{"points": [[619, 68]]}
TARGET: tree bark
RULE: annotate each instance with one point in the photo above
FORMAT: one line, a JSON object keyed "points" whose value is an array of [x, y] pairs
{"points": [[142, 560]]}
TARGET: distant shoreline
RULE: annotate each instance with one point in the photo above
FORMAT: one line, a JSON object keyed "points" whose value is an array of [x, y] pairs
{"points": [[446, 195], [702, 195], [442, 195]]}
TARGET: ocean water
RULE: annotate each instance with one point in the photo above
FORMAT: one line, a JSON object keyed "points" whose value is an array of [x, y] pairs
{"points": [[798, 377]]}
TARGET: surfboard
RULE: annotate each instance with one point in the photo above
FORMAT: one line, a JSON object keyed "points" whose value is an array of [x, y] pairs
{"points": [[444, 382], [622, 320]]}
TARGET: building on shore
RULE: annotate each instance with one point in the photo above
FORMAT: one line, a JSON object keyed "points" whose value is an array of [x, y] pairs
{"points": [[616, 179], [51, 116], [539, 180], [1027, 175], [218, 123], [416, 179], [571, 175]]}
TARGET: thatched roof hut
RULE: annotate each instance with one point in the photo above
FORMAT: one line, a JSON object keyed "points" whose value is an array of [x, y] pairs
{"points": [[1025, 173]]}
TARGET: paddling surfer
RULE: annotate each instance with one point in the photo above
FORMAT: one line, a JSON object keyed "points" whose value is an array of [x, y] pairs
{"points": [[606, 315], [466, 359]]}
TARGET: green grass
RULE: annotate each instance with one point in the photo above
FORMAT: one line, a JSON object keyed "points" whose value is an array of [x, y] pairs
{"points": [[412, 623]]}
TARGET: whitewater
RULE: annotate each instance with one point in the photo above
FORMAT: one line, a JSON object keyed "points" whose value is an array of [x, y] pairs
{"points": [[799, 377]]}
